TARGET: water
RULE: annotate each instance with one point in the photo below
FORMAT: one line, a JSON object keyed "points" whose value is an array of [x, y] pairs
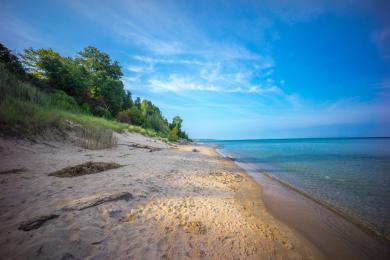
{"points": [[351, 175]]}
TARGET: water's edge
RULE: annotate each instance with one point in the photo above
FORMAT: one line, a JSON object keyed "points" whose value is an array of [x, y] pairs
{"points": [[368, 244], [346, 216]]}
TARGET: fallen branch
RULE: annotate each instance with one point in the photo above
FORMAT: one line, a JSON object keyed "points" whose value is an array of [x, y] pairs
{"points": [[36, 222], [96, 200]]}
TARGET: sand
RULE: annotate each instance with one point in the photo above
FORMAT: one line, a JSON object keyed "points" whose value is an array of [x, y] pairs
{"points": [[163, 202]]}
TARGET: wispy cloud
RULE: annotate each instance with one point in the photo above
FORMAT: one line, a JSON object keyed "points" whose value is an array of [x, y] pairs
{"points": [[154, 60], [177, 84], [140, 69], [18, 32]]}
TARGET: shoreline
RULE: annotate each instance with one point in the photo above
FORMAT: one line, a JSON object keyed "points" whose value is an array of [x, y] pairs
{"points": [[366, 243], [253, 198], [161, 201], [328, 206]]}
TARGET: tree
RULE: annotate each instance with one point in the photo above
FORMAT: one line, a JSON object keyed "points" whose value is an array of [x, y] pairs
{"points": [[112, 92], [176, 122], [104, 78], [39, 63], [91, 77], [94, 81], [137, 102], [99, 63], [59, 72], [135, 115], [11, 61], [173, 134], [127, 101]]}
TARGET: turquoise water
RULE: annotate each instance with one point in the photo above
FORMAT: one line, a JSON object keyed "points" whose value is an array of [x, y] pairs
{"points": [[351, 174]]}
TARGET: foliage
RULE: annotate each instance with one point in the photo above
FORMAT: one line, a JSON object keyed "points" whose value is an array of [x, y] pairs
{"points": [[145, 131], [127, 100], [61, 100], [102, 112], [173, 134], [123, 117], [175, 128], [11, 61], [22, 104], [73, 88]]}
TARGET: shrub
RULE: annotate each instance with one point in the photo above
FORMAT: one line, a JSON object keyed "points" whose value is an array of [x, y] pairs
{"points": [[61, 100], [123, 117], [102, 112]]}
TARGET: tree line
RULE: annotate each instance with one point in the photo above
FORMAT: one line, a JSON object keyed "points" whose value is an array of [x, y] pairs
{"points": [[94, 81]]}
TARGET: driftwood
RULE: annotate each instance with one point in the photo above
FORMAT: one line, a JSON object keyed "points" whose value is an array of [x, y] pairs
{"points": [[141, 146], [13, 171], [84, 169], [36, 222], [96, 200], [79, 204]]}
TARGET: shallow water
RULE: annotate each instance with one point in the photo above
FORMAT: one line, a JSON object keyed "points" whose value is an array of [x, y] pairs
{"points": [[351, 175]]}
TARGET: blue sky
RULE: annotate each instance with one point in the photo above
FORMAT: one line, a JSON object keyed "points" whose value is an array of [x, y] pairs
{"points": [[232, 69]]}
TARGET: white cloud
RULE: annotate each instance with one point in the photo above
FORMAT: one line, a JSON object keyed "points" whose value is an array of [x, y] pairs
{"points": [[140, 69], [153, 60], [262, 90], [177, 84]]}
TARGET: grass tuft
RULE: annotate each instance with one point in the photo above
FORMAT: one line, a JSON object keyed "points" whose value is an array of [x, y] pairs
{"points": [[96, 137]]}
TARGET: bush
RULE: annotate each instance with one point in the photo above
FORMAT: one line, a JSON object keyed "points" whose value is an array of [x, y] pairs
{"points": [[102, 112], [123, 117], [61, 100]]}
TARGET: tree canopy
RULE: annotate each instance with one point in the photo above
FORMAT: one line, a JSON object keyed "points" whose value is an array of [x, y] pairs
{"points": [[94, 81]]}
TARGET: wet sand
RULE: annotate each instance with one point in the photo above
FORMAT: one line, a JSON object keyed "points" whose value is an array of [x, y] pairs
{"points": [[336, 237]]}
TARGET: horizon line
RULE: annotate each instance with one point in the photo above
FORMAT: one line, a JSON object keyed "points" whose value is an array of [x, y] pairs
{"points": [[292, 138]]}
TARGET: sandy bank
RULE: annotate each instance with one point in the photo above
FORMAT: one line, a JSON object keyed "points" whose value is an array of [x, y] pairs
{"points": [[163, 202]]}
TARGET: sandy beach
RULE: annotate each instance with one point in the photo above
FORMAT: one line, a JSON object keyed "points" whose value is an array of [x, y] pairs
{"points": [[160, 201]]}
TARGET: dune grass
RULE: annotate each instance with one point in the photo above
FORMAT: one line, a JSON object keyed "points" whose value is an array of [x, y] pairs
{"points": [[86, 119], [29, 110]]}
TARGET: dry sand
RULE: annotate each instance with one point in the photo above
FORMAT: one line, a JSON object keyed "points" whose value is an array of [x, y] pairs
{"points": [[166, 202]]}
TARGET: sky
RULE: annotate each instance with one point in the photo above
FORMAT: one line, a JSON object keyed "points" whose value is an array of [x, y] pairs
{"points": [[232, 69]]}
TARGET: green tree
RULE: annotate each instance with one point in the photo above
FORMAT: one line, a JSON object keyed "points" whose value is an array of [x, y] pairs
{"points": [[99, 63], [59, 72], [11, 61], [112, 92], [137, 102], [135, 115], [104, 77], [176, 122], [37, 62], [173, 134], [94, 80], [127, 101]]}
